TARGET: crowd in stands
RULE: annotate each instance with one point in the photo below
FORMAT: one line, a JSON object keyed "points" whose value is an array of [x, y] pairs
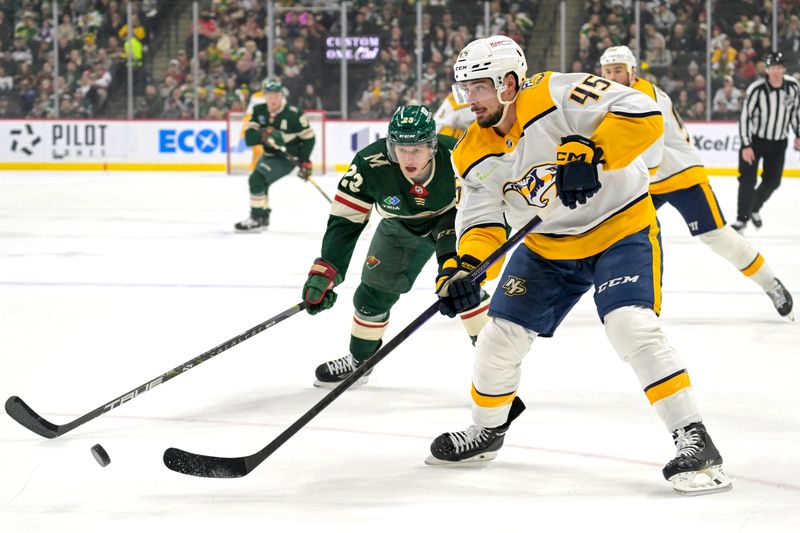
{"points": [[673, 41], [232, 57], [91, 40], [92, 50]]}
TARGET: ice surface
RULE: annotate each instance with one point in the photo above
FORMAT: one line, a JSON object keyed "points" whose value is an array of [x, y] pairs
{"points": [[108, 280]]}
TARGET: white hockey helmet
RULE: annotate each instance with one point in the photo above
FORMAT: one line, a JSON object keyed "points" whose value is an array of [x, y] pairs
{"points": [[491, 57], [619, 55]]}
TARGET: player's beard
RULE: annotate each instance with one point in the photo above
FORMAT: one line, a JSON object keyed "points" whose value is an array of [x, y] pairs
{"points": [[491, 120]]}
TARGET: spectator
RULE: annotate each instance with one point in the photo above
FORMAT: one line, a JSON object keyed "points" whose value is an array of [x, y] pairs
{"points": [[697, 111], [20, 52], [309, 99], [659, 56], [727, 100], [663, 18], [678, 42], [6, 82], [5, 111], [154, 103], [738, 36], [723, 59], [745, 69]]}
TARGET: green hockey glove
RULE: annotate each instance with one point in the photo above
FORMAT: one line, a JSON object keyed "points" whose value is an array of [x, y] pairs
{"points": [[272, 138], [318, 289]]}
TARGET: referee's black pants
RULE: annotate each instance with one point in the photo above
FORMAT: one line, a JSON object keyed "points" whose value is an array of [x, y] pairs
{"points": [[751, 199]]}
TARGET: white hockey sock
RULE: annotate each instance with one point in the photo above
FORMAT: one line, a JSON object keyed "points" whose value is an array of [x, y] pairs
{"points": [[474, 319], [498, 354], [729, 244], [259, 201], [637, 337], [369, 328]]}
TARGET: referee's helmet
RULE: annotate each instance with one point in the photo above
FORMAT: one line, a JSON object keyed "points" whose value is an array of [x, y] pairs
{"points": [[775, 58]]}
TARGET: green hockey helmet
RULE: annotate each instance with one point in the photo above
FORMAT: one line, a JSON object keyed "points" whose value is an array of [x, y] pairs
{"points": [[411, 125], [272, 86]]}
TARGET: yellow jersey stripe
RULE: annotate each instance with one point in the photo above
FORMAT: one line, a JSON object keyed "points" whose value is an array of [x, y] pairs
{"points": [[656, 246], [753, 267], [625, 136], [668, 386], [631, 219], [688, 177], [712, 204], [646, 87], [480, 242], [489, 400]]}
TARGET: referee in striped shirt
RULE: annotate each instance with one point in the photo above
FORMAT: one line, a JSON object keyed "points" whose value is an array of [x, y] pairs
{"points": [[771, 107]]}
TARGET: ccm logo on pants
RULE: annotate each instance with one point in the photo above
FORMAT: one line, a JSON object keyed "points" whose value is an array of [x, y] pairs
{"points": [[617, 281]]}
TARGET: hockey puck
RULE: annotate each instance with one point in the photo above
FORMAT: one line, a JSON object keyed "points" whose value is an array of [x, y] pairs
{"points": [[100, 455]]}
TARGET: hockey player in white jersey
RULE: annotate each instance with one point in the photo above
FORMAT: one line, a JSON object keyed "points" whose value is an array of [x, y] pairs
{"points": [[453, 119], [679, 178], [573, 140]]}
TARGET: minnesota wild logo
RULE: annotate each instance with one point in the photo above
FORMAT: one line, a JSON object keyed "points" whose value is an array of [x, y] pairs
{"points": [[372, 262]]}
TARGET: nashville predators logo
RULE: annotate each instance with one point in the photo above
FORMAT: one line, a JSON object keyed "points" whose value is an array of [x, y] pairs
{"points": [[514, 286], [534, 185]]}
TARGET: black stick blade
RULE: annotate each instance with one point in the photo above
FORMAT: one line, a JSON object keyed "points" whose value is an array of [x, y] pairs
{"points": [[27, 417], [196, 465]]}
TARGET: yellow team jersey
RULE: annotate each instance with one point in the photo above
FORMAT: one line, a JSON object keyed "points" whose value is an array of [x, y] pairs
{"points": [[680, 166], [514, 174], [453, 119]]}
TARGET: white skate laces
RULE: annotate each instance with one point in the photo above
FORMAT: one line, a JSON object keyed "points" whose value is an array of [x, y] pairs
{"points": [[331, 373], [464, 441], [342, 365], [687, 442]]}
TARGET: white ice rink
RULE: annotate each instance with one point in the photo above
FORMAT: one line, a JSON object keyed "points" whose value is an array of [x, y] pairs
{"points": [[109, 280]]}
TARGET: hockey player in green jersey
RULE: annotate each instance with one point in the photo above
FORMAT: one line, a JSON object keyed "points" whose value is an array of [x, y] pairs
{"points": [[409, 179], [280, 129]]}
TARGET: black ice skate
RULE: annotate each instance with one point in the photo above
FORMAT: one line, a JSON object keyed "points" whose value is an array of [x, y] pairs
{"points": [[253, 224], [782, 299], [334, 372], [755, 218], [739, 226], [697, 467], [473, 445]]}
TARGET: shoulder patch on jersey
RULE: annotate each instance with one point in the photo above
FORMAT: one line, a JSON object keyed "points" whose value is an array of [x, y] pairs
{"points": [[533, 81], [534, 100]]}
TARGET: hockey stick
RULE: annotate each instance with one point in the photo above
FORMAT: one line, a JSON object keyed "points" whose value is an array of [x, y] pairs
{"points": [[231, 467], [316, 185], [27, 417], [296, 162]]}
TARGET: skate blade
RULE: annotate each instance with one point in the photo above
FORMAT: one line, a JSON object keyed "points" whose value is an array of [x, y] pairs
{"points": [[480, 458], [256, 230], [701, 482], [332, 385]]}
